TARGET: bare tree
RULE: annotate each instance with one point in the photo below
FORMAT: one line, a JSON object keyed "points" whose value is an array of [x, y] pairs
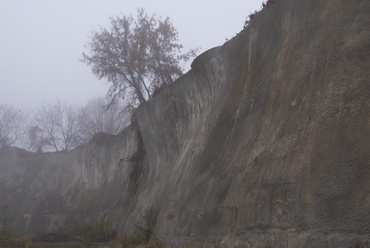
{"points": [[136, 56], [60, 126], [100, 115], [13, 124]]}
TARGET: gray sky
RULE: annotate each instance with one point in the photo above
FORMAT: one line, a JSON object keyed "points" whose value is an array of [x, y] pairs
{"points": [[42, 40]]}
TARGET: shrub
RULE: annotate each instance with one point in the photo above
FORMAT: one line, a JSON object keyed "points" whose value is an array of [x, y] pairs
{"points": [[145, 235], [131, 241], [150, 218], [99, 231], [139, 239], [357, 245], [251, 15], [6, 234], [27, 241]]}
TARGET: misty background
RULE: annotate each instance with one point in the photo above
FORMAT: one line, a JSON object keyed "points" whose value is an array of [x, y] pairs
{"points": [[48, 98], [42, 41]]}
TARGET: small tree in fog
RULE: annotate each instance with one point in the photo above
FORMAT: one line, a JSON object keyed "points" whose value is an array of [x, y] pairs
{"points": [[34, 139], [13, 124], [60, 126], [100, 115], [136, 56]]}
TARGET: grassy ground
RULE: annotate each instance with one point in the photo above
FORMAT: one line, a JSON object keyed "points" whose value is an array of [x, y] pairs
{"points": [[72, 245]]}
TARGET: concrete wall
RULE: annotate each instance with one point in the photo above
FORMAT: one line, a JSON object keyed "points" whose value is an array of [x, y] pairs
{"points": [[265, 141]]}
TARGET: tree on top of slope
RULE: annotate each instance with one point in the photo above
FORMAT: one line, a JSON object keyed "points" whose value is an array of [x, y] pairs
{"points": [[136, 56]]}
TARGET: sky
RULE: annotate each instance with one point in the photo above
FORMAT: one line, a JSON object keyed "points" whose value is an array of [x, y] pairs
{"points": [[41, 41]]}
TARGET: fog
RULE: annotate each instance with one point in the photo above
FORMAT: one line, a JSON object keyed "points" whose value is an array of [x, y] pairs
{"points": [[42, 41]]}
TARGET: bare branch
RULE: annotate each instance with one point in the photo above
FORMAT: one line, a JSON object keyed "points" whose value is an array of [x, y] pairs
{"points": [[13, 123]]}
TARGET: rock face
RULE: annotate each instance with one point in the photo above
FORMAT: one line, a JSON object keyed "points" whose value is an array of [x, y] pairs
{"points": [[264, 142]]}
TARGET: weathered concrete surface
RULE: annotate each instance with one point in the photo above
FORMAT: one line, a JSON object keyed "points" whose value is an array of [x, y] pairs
{"points": [[68, 188], [265, 142]]}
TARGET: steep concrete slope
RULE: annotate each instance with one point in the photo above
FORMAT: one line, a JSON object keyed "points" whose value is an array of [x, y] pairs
{"points": [[282, 144], [51, 190], [264, 142]]}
